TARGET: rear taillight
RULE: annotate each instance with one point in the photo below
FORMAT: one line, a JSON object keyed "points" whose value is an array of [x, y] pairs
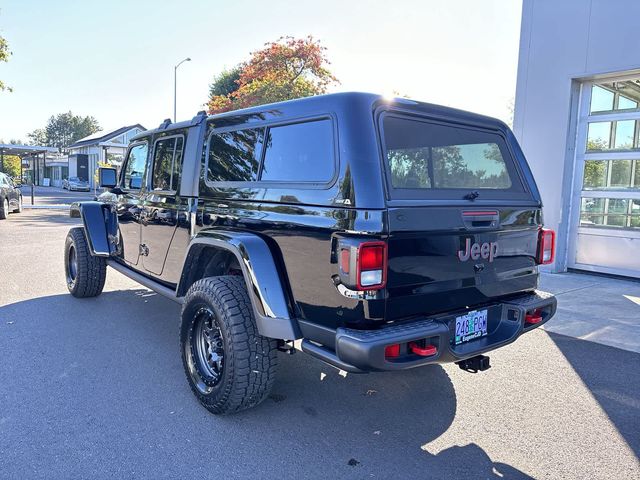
{"points": [[546, 246], [371, 266]]}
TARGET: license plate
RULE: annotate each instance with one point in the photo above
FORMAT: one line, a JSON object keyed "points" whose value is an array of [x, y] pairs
{"points": [[470, 326]]}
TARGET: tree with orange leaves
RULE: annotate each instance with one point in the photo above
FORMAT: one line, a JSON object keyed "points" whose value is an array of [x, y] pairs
{"points": [[283, 70]]}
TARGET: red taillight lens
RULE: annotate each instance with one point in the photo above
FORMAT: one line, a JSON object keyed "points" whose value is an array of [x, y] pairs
{"points": [[371, 257], [371, 265], [546, 246]]}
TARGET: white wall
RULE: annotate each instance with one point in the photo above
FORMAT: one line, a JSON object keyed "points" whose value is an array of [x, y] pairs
{"points": [[562, 42]]}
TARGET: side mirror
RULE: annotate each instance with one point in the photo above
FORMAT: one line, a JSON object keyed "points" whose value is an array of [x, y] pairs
{"points": [[108, 177], [135, 183]]}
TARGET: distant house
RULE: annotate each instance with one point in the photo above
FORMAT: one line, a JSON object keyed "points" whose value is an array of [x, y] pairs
{"points": [[104, 147]]}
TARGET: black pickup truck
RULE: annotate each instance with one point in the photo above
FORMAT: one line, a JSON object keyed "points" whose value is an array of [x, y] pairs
{"points": [[380, 234]]}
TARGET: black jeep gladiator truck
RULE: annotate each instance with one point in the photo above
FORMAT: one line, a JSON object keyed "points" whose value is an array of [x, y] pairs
{"points": [[380, 234]]}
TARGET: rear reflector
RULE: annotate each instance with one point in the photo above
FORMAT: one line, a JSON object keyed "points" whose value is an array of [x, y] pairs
{"points": [[392, 351], [371, 265], [546, 246], [345, 258]]}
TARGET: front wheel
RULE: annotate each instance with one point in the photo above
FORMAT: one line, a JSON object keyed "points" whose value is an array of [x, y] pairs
{"points": [[85, 273], [5, 209], [229, 365], [19, 208]]}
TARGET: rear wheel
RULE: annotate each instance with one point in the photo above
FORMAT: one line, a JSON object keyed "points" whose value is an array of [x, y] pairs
{"points": [[5, 209], [85, 273], [19, 208], [229, 366]]}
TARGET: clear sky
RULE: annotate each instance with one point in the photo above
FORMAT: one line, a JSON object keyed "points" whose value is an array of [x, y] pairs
{"points": [[114, 60]]}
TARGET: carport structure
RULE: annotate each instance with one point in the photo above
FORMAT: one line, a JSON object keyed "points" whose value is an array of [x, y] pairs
{"points": [[30, 151]]}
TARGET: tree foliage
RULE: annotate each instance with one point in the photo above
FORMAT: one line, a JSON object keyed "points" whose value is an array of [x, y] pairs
{"points": [[410, 168], [4, 57], [225, 83], [283, 70], [63, 130], [11, 163]]}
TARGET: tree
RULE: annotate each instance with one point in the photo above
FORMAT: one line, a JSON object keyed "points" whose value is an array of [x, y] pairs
{"points": [[63, 130], [4, 57], [225, 83], [11, 163], [283, 70]]}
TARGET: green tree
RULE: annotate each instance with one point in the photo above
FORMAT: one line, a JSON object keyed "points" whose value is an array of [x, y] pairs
{"points": [[11, 163], [283, 70], [4, 57], [225, 83], [63, 130]]}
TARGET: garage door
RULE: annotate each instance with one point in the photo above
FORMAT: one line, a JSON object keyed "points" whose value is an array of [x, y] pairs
{"points": [[606, 199]]}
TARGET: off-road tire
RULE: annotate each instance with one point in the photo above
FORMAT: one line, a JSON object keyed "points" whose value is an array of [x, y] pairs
{"points": [[19, 208], [249, 360], [4, 209], [90, 272]]}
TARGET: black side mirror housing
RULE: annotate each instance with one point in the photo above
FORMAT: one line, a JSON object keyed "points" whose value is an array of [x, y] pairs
{"points": [[108, 177]]}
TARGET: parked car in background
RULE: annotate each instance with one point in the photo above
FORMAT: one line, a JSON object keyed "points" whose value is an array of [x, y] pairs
{"points": [[75, 184], [10, 197]]}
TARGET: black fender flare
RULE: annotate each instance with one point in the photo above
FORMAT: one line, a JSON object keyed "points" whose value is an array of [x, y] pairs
{"points": [[100, 226], [264, 284]]}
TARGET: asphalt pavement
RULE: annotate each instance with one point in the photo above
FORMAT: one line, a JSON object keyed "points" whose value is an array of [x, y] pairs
{"points": [[94, 388]]}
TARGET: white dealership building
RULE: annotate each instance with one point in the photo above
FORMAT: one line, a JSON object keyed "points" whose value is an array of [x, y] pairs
{"points": [[577, 117]]}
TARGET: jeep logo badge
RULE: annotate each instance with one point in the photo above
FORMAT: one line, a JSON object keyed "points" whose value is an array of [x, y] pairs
{"points": [[487, 250]]}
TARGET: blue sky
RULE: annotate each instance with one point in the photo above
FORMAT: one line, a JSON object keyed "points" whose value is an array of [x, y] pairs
{"points": [[114, 60]]}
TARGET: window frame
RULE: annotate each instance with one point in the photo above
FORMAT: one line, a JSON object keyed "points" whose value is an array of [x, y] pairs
{"points": [[126, 163], [274, 184], [523, 193], [151, 161]]}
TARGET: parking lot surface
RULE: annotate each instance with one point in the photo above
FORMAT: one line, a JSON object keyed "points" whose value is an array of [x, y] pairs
{"points": [[94, 388]]}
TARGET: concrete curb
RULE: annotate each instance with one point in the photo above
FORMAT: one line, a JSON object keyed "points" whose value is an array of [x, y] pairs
{"points": [[47, 207]]}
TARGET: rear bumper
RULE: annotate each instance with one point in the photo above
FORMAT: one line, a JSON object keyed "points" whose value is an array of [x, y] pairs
{"points": [[364, 350]]}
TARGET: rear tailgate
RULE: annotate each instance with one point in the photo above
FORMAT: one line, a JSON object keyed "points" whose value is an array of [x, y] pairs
{"points": [[438, 260], [464, 214]]}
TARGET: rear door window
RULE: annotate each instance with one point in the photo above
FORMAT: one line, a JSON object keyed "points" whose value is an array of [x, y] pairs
{"points": [[435, 160], [167, 156]]}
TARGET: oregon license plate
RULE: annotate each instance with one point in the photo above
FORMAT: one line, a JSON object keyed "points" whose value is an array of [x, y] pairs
{"points": [[470, 326]]}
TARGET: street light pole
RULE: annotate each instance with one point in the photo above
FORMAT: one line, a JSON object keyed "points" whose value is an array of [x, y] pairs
{"points": [[175, 83]]}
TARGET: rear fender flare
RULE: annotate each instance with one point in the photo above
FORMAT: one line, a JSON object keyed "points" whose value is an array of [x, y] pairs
{"points": [[264, 284]]}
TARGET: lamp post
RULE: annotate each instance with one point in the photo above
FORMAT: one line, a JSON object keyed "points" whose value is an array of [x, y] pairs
{"points": [[175, 82]]}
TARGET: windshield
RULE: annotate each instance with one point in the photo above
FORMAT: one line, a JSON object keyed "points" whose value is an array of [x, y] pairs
{"points": [[432, 158]]}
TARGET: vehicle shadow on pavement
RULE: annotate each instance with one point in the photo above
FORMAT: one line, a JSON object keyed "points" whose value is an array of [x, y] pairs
{"points": [[111, 365], [42, 218], [613, 378]]}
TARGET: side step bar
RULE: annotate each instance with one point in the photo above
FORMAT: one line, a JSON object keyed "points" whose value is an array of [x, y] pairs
{"points": [[327, 356], [145, 281]]}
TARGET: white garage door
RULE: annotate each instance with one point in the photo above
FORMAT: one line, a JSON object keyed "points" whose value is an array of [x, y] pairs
{"points": [[606, 198]]}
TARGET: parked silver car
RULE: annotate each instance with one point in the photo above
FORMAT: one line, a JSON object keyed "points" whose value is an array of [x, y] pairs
{"points": [[75, 184]]}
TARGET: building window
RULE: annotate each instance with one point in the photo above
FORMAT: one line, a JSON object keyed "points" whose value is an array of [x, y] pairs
{"points": [[610, 212], [615, 96], [603, 174]]}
